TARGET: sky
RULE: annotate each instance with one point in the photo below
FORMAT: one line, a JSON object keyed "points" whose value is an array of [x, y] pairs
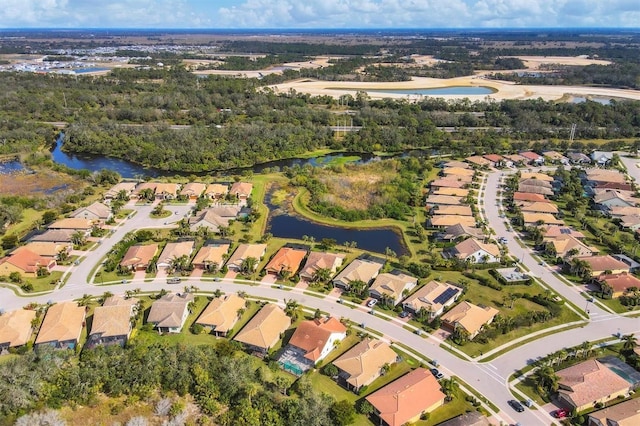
{"points": [[319, 13]]}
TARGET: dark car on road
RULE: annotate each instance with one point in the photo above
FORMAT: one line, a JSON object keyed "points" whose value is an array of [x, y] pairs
{"points": [[436, 373], [516, 405]]}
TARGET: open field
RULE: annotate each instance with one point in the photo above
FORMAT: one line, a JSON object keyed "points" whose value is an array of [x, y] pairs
{"points": [[535, 62]]}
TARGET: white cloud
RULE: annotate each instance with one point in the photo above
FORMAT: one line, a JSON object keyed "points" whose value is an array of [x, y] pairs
{"points": [[318, 13]]}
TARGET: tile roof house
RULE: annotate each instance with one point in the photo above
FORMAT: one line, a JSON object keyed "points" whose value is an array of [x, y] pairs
{"points": [[532, 181], [286, 259], [363, 363], [444, 221], [578, 158], [138, 257], [243, 252], [495, 159], [72, 223], [453, 210], [532, 157], [470, 317], [631, 222], [169, 313], [457, 172], [61, 236], [166, 191], [222, 313], [583, 385], [211, 254], [528, 196], [476, 251], [216, 191], [193, 190], [594, 176], [47, 249], [455, 163], [25, 262], [320, 260], [242, 191], [263, 331], [456, 192], [392, 287], [539, 207], [213, 218], [603, 263], [556, 157], [314, 339], [477, 160], [93, 212], [112, 323], [535, 219], [470, 418], [536, 175], [601, 157], [15, 328], [514, 159], [554, 231], [359, 269], [612, 197], [567, 246], [618, 212], [173, 251], [619, 283], [407, 398], [449, 182], [443, 200], [62, 326], [626, 413], [535, 189], [434, 297], [127, 187], [458, 231]]}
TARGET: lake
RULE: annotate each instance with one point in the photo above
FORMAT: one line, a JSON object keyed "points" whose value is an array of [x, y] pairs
{"points": [[581, 99], [8, 167], [438, 91]]}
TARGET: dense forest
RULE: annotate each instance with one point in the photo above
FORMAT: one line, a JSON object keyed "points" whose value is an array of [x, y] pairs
{"points": [[174, 120]]}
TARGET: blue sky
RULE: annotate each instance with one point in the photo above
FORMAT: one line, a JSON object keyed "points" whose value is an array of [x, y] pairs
{"points": [[319, 13]]}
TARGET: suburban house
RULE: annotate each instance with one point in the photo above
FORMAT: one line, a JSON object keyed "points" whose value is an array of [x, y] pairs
{"points": [[442, 200], [532, 158], [535, 181], [583, 385], [433, 298], [47, 249], [578, 158], [242, 191], [245, 251], [62, 326], [558, 231], [73, 224], [626, 413], [456, 192], [169, 313], [313, 340], [360, 269], [567, 246], [528, 197], [407, 398], [26, 263], [470, 317], [601, 158], [139, 257], [495, 159], [597, 177], [457, 172], [450, 182], [452, 210], [514, 160], [631, 222], [477, 160], [363, 363], [166, 191], [216, 191], [193, 190], [392, 287], [210, 255], [213, 218], [534, 189], [263, 331], [539, 207], [476, 251], [456, 163], [619, 212], [444, 221], [615, 198], [556, 157], [605, 264], [459, 231], [221, 314], [127, 187], [535, 175], [95, 212], [535, 219], [59, 236], [15, 329], [320, 260], [286, 259], [619, 283], [174, 251], [112, 322]]}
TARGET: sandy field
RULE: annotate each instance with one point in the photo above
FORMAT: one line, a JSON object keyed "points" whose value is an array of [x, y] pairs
{"points": [[534, 62], [503, 89]]}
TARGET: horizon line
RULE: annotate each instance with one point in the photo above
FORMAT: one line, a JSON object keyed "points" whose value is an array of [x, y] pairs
{"points": [[560, 29]]}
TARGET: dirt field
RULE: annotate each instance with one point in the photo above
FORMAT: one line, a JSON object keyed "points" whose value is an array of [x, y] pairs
{"points": [[40, 183], [534, 62], [357, 188]]}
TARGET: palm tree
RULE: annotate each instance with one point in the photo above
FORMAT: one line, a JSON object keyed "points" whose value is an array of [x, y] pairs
{"points": [[546, 379], [321, 275], [292, 309], [629, 342], [449, 387], [78, 238], [105, 296], [248, 265], [85, 300]]}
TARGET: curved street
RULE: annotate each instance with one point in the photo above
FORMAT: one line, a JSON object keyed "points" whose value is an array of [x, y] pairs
{"points": [[489, 378]]}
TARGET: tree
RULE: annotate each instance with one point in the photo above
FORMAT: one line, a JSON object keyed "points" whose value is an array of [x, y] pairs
{"points": [[629, 342], [248, 265], [292, 309], [49, 216], [321, 275], [389, 253], [85, 300], [449, 387], [342, 412], [330, 370], [9, 241], [546, 379], [78, 238], [327, 243]]}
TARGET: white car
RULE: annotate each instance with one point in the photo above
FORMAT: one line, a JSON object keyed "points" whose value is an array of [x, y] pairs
{"points": [[371, 303]]}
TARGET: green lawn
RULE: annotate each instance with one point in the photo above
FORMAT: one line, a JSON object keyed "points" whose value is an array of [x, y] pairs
{"points": [[43, 283], [249, 312], [458, 405], [107, 277]]}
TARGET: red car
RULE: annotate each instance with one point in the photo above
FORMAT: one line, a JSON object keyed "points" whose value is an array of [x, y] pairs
{"points": [[560, 413]]}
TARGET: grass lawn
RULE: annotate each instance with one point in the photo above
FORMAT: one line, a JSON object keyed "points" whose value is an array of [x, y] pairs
{"points": [[614, 303], [44, 283], [106, 277], [458, 405], [29, 217], [249, 312]]}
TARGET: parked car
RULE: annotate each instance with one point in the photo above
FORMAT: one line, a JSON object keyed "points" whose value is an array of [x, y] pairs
{"points": [[560, 413], [174, 280], [437, 374], [516, 405], [403, 314], [371, 303]]}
